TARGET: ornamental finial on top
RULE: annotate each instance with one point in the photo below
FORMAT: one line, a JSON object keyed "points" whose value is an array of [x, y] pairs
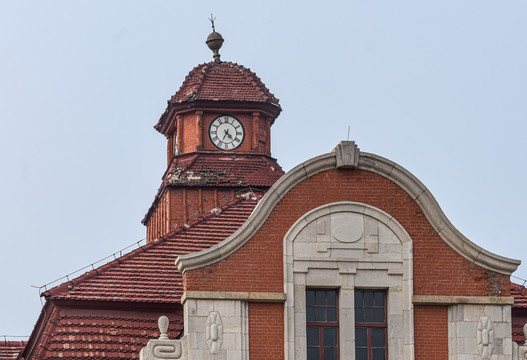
{"points": [[214, 40]]}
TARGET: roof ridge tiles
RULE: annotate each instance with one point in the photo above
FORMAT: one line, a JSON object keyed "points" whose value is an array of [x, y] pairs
{"points": [[201, 79], [60, 290]]}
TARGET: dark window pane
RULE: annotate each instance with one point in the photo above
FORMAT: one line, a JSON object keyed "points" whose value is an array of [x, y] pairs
{"points": [[312, 354], [310, 297], [378, 354], [368, 315], [379, 299], [321, 297], [330, 353], [332, 298], [321, 314], [361, 354], [358, 298], [312, 336], [330, 336], [332, 314], [377, 337], [368, 298], [361, 337], [310, 314], [358, 315], [379, 315]]}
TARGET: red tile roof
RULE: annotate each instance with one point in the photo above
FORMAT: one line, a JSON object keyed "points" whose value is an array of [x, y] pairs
{"points": [[223, 81], [202, 169], [520, 295], [217, 169], [9, 350], [148, 274], [101, 334]]}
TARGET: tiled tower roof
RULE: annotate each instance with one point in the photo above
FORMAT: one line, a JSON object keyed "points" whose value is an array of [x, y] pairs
{"points": [[223, 81], [232, 85], [223, 170]]}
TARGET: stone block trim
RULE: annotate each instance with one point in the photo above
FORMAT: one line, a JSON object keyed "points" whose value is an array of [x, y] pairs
{"points": [[451, 300], [261, 297], [216, 329], [480, 332]]}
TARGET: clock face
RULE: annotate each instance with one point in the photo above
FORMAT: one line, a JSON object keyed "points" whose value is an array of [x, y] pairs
{"points": [[226, 132]]}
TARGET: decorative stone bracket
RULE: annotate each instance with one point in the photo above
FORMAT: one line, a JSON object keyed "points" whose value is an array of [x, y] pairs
{"points": [[164, 348], [347, 155]]}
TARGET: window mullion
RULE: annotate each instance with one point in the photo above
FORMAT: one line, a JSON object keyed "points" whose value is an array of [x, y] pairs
{"points": [[370, 348], [321, 342]]}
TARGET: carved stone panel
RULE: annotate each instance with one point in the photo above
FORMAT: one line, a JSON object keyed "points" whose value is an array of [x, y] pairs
{"points": [[214, 332], [485, 338], [347, 235]]}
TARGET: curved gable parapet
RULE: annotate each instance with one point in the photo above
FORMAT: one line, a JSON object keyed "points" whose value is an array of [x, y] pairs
{"points": [[347, 155]]}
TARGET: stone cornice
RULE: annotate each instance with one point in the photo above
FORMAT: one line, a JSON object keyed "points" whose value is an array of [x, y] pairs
{"points": [[453, 300], [230, 295], [344, 156]]}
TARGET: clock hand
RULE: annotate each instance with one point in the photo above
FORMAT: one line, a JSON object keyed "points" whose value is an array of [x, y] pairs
{"points": [[226, 133]]}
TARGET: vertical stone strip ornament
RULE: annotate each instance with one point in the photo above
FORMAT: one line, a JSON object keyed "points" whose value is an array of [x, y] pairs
{"points": [[199, 130], [485, 337], [162, 348], [214, 332]]}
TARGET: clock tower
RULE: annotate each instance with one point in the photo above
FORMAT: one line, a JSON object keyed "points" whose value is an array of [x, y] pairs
{"points": [[217, 127]]}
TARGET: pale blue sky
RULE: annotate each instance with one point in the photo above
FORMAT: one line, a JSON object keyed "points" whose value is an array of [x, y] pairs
{"points": [[438, 87]]}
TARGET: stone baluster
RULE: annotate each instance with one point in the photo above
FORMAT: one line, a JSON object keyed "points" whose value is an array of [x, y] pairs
{"points": [[164, 348]]}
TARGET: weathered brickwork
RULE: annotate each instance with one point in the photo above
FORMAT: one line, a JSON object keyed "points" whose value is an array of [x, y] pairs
{"points": [[431, 332]]}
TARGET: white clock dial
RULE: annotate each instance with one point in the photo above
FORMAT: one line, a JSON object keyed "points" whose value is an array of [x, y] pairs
{"points": [[226, 132]]}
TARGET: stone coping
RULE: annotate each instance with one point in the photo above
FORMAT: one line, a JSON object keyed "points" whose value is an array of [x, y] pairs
{"points": [[272, 297], [454, 300], [345, 156]]}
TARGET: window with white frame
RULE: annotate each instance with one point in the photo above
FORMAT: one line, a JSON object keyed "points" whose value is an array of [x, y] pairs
{"points": [[322, 324], [370, 325]]}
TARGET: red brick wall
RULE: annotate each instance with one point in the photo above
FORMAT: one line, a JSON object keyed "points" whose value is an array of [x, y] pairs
{"points": [[257, 266], [431, 332], [265, 335], [158, 223], [438, 269]]}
